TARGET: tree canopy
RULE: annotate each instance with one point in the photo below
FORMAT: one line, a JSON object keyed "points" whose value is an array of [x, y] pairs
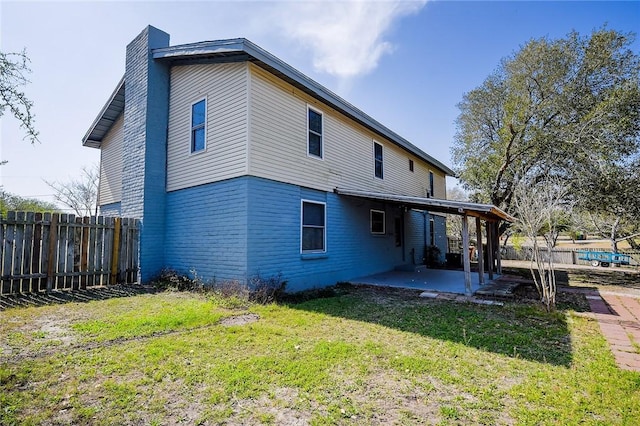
{"points": [[13, 67], [10, 201], [565, 108]]}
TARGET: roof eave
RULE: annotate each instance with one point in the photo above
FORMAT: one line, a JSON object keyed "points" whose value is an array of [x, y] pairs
{"points": [[92, 140]]}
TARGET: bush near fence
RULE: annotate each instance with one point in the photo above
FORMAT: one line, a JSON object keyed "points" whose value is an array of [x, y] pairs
{"points": [[564, 256], [49, 251]]}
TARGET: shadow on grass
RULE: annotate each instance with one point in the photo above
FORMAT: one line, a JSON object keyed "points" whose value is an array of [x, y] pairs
{"points": [[88, 295], [517, 330]]}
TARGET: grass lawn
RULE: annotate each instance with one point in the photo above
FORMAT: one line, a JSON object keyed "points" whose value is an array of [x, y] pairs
{"points": [[364, 356]]}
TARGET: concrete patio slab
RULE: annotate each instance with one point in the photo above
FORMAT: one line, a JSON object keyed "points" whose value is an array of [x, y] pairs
{"points": [[434, 280]]}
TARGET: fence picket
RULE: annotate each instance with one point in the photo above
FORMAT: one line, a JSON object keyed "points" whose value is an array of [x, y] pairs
{"points": [[27, 247], [9, 244], [100, 252], [1, 259], [61, 252], [52, 244], [115, 251], [36, 253], [91, 252], [83, 248], [77, 253], [18, 253]]}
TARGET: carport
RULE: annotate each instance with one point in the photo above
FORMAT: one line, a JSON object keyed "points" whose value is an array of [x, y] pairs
{"points": [[490, 214]]}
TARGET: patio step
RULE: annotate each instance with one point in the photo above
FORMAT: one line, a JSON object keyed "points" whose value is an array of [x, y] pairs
{"points": [[502, 287]]}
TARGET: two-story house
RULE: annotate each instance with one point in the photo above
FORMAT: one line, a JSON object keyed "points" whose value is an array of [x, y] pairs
{"points": [[239, 165]]}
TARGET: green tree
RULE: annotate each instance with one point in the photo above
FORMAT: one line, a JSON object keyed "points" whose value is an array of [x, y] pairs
{"points": [[13, 67], [609, 196], [550, 110], [10, 201]]}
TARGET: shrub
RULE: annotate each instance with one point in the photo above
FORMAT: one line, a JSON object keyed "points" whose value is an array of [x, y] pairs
{"points": [[170, 279], [267, 290], [260, 290]]}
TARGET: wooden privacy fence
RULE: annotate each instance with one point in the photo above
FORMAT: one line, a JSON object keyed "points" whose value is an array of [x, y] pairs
{"points": [[50, 251], [566, 256]]}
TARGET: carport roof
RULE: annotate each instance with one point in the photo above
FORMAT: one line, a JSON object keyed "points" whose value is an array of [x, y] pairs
{"points": [[483, 211]]}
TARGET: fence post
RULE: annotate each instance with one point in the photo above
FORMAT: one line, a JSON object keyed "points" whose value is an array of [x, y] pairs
{"points": [[36, 256], [116, 250], [51, 258], [18, 253], [84, 253], [5, 284]]}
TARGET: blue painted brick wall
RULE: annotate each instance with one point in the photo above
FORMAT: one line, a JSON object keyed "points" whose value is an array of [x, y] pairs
{"points": [[274, 237], [112, 209], [206, 230], [246, 227]]}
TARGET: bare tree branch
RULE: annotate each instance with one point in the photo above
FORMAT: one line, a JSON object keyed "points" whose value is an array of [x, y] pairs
{"points": [[540, 207], [13, 67], [79, 194]]}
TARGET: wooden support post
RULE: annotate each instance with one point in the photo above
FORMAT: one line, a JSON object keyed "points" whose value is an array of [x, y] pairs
{"points": [[51, 257], [490, 263], [116, 251], [497, 248], [465, 255], [480, 251]]}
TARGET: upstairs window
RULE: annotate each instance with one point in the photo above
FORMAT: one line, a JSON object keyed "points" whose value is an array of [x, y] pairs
{"points": [[314, 133], [410, 165], [430, 184], [198, 126], [313, 227], [377, 160]]}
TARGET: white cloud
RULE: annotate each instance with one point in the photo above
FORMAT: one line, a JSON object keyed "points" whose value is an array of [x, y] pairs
{"points": [[346, 38]]}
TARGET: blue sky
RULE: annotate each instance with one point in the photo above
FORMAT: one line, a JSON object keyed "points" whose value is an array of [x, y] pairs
{"points": [[406, 64]]}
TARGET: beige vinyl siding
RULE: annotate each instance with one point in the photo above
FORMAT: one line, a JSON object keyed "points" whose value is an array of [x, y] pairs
{"points": [[225, 88], [110, 189], [278, 141]]}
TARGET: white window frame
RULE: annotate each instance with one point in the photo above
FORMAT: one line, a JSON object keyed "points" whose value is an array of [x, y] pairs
{"points": [[373, 148], [191, 128], [322, 146], [384, 222], [302, 226]]}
